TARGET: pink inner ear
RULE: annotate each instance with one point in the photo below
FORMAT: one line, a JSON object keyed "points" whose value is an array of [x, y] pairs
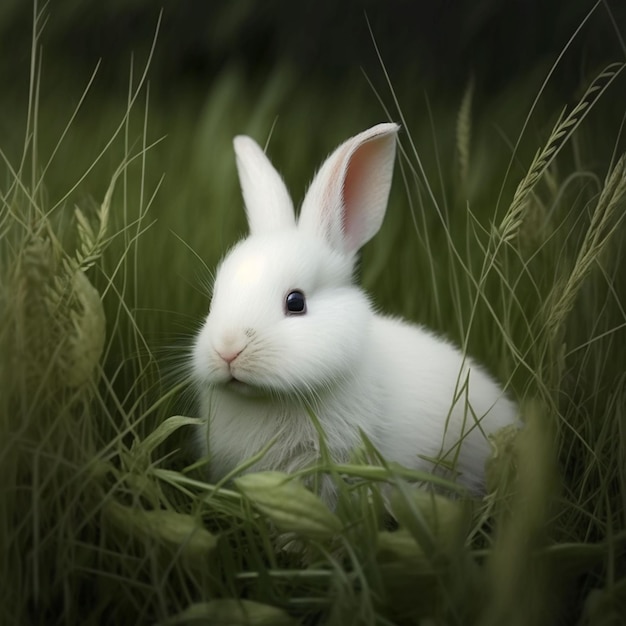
{"points": [[358, 171]]}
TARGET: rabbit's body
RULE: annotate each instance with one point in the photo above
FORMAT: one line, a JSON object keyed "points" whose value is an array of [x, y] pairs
{"points": [[289, 334]]}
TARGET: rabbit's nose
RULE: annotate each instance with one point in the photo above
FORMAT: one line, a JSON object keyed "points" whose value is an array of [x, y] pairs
{"points": [[230, 346], [229, 356]]}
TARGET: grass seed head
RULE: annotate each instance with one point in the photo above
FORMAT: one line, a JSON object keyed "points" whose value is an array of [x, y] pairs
{"points": [[87, 332]]}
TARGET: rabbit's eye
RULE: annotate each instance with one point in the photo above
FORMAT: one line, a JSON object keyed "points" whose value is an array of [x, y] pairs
{"points": [[295, 303]]}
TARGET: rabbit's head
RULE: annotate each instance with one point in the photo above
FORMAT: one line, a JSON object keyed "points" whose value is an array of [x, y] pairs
{"points": [[285, 317]]}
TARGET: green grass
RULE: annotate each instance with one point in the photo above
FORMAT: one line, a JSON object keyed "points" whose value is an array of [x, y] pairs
{"points": [[505, 232]]}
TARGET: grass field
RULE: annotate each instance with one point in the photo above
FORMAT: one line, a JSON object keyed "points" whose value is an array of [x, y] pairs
{"points": [[505, 232]]}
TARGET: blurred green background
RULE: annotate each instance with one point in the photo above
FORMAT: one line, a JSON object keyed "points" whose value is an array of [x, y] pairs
{"points": [[303, 70]]}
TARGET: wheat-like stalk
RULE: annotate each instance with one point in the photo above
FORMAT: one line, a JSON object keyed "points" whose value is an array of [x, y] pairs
{"points": [[561, 133], [464, 133], [603, 225], [92, 242]]}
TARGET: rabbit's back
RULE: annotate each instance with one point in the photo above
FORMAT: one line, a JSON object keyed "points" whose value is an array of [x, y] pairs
{"points": [[432, 398]]}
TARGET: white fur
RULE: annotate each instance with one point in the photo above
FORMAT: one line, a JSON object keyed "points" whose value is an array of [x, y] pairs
{"points": [[260, 371]]}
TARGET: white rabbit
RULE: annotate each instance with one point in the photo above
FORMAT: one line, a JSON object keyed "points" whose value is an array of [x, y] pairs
{"points": [[289, 333]]}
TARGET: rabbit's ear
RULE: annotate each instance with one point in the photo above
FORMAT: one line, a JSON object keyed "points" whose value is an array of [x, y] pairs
{"points": [[268, 205], [347, 199]]}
